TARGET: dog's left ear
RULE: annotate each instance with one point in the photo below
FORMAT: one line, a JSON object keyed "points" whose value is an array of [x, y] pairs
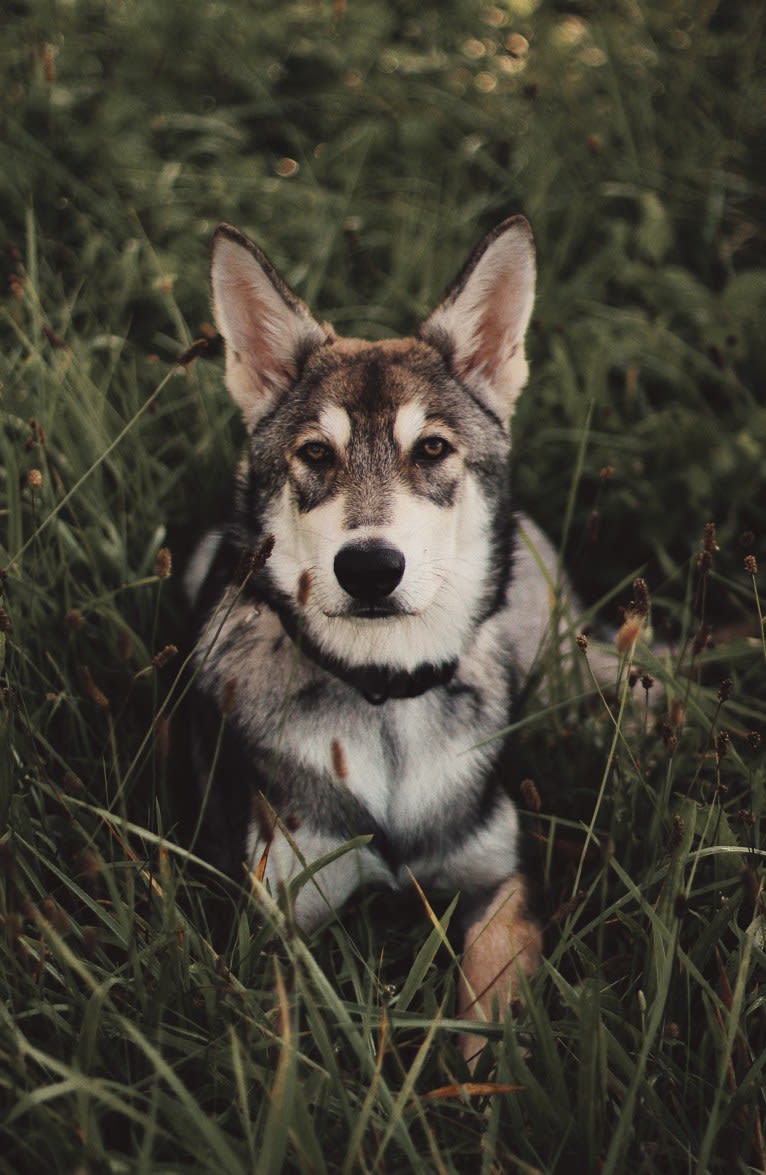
{"points": [[481, 321], [268, 330]]}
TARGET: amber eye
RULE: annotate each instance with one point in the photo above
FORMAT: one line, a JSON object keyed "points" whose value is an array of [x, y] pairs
{"points": [[315, 453], [433, 448]]}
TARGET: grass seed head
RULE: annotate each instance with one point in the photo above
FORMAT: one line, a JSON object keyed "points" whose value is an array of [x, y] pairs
{"points": [[668, 736], [639, 605], [677, 712], [54, 338], [628, 634], [702, 639], [91, 689], [636, 615], [265, 818], [304, 589], [569, 907], [751, 565], [163, 563], [125, 644], [89, 864], [530, 794], [252, 562], [197, 349], [704, 562], [53, 913], [165, 655], [37, 435], [339, 763], [89, 940]]}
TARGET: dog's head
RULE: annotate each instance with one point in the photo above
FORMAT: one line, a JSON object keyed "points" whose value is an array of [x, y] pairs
{"points": [[381, 468]]}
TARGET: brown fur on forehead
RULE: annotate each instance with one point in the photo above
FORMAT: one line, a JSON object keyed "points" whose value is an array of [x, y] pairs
{"points": [[374, 378]]}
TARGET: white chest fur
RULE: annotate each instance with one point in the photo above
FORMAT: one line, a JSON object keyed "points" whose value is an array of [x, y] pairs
{"points": [[406, 760]]}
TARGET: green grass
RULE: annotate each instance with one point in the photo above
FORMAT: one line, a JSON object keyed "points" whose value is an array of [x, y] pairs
{"points": [[151, 1020]]}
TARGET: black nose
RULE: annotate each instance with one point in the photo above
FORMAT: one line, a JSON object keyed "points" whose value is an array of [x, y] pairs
{"points": [[369, 572]]}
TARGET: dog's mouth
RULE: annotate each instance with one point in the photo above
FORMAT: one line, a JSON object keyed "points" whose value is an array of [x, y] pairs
{"points": [[382, 610], [374, 613]]}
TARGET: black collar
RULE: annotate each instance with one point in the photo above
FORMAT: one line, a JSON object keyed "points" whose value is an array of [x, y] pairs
{"points": [[376, 683]]}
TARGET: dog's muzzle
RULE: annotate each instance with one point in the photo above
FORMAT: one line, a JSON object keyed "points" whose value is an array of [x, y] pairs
{"points": [[369, 571]]}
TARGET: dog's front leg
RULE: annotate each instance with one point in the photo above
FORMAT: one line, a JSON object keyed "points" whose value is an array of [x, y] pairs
{"points": [[285, 856], [501, 943]]}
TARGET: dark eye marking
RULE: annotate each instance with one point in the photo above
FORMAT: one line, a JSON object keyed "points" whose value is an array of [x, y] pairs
{"points": [[431, 449], [315, 453]]}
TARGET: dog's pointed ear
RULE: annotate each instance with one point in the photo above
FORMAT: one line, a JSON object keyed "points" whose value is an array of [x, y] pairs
{"points": [[268, 330], [480, 323]]}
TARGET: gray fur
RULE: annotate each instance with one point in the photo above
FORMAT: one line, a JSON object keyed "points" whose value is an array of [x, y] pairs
{"points": [[403, 443]]}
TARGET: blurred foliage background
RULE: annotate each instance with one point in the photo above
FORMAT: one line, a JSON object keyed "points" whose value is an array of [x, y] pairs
{"points": [[367, 146]]}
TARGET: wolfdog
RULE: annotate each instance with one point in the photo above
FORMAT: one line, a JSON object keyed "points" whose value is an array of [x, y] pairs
{"points": [[368, 610]]}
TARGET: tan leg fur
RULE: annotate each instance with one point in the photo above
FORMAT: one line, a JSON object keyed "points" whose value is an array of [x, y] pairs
{"points": [[504, 942]]}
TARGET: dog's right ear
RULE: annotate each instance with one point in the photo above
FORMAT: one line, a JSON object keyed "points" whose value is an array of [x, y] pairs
{"points": [[481, 321], [268, 330]]}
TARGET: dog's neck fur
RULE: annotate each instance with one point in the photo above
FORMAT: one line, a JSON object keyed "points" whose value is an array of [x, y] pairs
{"points": [[376, 683]]}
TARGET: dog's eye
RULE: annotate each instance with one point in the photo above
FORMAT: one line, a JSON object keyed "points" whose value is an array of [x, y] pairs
{"points": [[430, 449], [315, 453]]}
